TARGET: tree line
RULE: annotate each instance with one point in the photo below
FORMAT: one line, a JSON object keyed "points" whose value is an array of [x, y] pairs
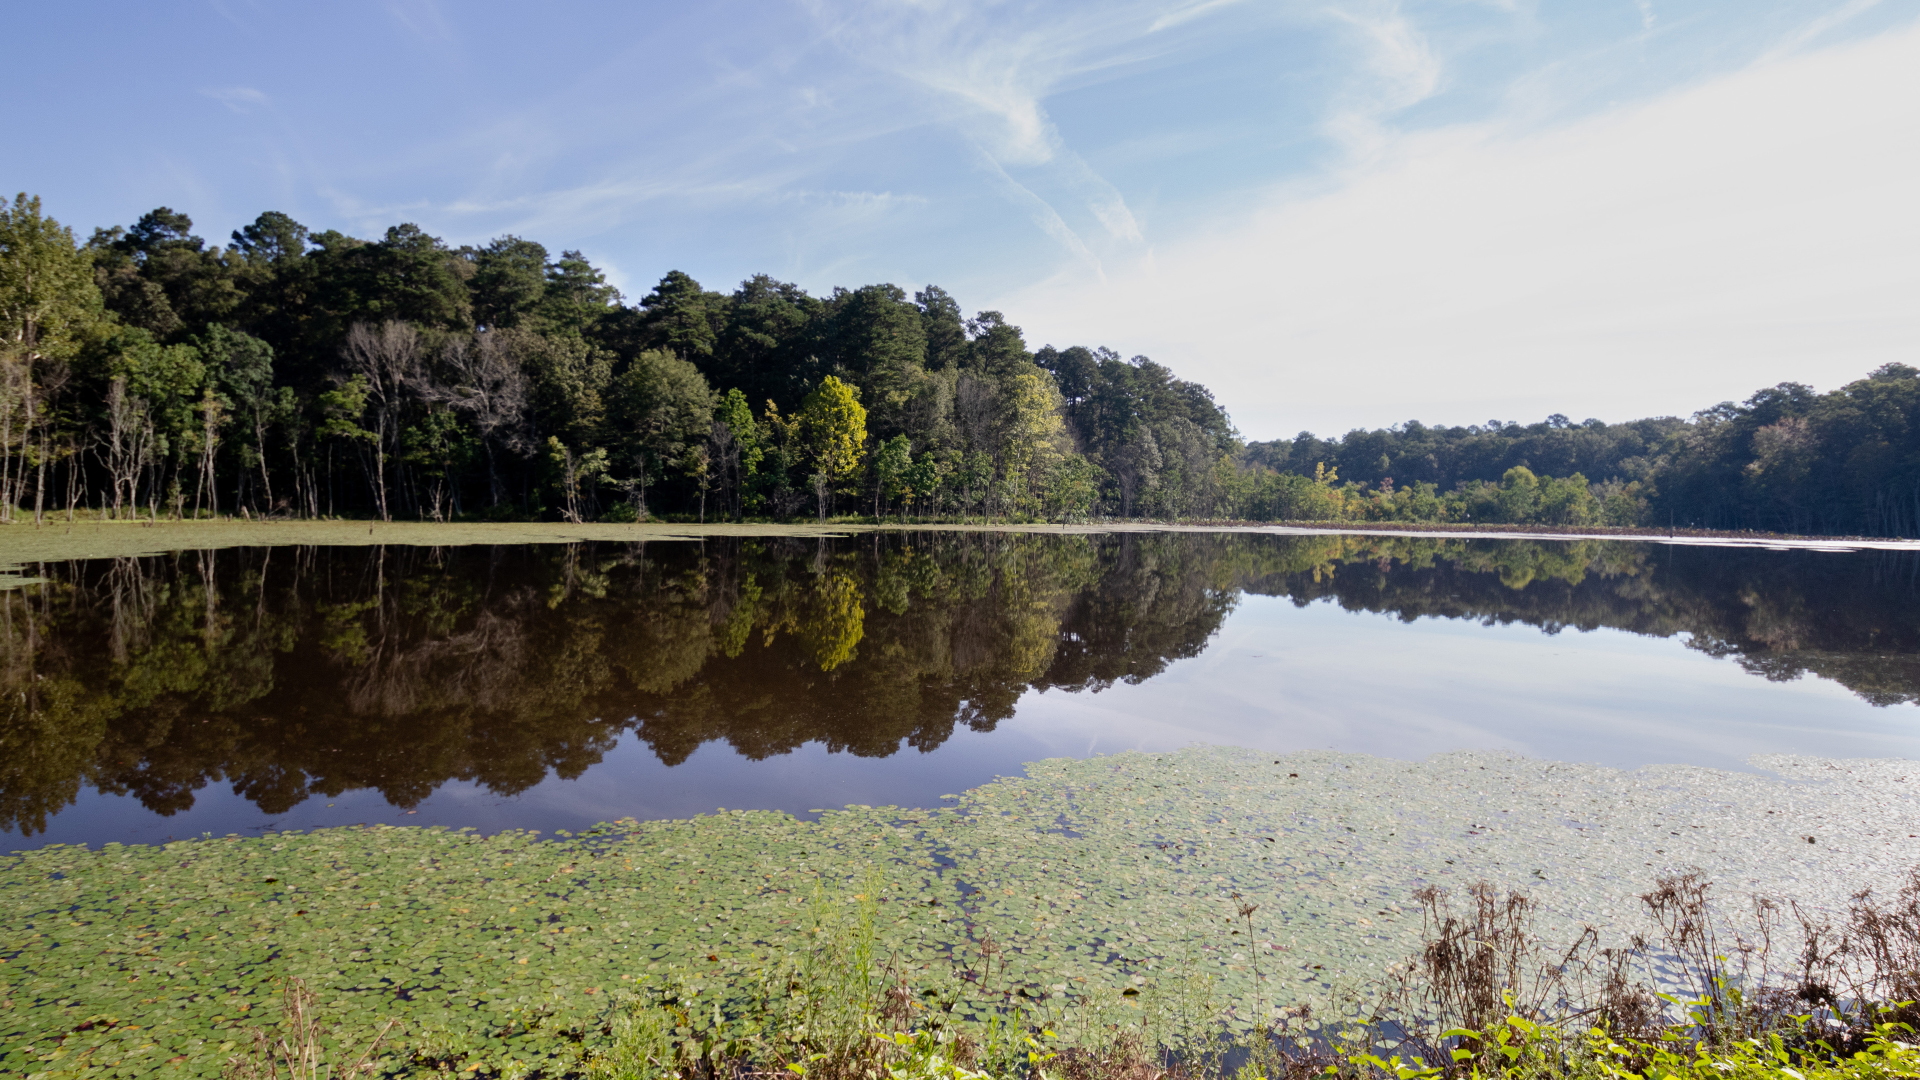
{"points": [[1787, 459], [146, 373]]}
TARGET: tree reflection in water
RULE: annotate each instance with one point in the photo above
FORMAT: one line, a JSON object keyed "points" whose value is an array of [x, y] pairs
{"points": [[291, 672]]}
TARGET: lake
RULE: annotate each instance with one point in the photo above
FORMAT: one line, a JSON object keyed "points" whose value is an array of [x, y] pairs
{"points": [[554, 686]]}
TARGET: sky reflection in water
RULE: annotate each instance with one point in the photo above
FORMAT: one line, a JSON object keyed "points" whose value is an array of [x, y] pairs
{"points": [[551, 688]]}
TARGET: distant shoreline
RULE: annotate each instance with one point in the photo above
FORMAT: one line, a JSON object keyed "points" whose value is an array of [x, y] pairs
{"points": [[23, 543]]}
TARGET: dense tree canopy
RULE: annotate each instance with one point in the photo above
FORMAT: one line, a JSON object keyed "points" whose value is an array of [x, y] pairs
{"points": [[1786, 459], [311, 373]]}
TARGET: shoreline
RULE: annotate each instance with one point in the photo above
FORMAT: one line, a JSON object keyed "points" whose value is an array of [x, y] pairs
{"points": [[22, 543]]}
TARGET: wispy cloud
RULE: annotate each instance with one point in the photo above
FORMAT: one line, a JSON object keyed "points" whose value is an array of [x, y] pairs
{"points": [[1043, 215], [984, 73], [1187, 13], [987, 76], [991, 72], [1402, 69], [795, 117], [240, 99], [424, 18], [1815, 28]]}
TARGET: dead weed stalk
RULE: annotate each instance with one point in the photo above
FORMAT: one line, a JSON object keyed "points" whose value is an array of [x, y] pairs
{"points": [[299, 1051]]}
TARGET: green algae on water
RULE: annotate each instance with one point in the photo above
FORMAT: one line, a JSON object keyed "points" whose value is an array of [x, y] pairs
{"points": [[1091, 875]]}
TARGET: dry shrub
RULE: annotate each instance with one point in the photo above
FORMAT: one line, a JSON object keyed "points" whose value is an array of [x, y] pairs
{"points": [[1624, 1005], [1867, 969], [1486, 963], [1887, 942], [299, 1053], [1125, 1058]]}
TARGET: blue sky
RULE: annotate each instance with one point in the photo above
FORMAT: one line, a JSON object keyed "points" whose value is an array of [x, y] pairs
{"points": [[1336, 213]]}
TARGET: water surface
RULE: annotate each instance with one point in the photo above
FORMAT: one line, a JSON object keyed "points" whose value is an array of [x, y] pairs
{"points": [[555, 686]]}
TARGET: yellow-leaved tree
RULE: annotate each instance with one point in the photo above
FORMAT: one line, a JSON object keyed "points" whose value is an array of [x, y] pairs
{"points": [[1034, 437], [835, 427]]}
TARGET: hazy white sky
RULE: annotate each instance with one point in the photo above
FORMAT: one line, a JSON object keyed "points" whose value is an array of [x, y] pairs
{"points": [[1334, 212], [1657, 257]]}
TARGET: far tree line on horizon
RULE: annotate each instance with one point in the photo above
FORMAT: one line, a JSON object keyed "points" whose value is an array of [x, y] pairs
{"points": [[145, 373]]}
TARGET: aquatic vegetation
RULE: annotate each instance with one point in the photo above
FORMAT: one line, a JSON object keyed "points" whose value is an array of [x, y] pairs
{"points": [[298, 1051], [1091, 879]]}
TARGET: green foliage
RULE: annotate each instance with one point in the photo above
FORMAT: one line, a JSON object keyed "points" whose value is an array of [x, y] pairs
{"points": [[48, 301], [439, 447], [891, 464], [734, 412], [576, 295], [519, 346], [407, 276], [834, 425], [509, 281], [576, 476], [273, 240], [922, 480], [439, 444], [1074, 487], [876, 340], [972, 476], [240, 367], [660, 407], [682, 317], [341, 410], [1518, 1048]]}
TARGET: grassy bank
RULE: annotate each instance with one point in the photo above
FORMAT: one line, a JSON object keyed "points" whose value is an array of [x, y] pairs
{"points": [[1090, 879], [23, 544]]}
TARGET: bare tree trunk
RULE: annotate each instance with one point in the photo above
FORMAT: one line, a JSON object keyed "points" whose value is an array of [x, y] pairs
{"points": [[76, 458], [389, 357], [17, 482], [40, 481], [260, 442], [209, 446], [116, 434], [6, 443], [380, 473]]}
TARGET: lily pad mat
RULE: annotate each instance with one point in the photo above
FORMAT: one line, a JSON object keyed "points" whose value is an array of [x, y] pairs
{"points": [[134, 960]]}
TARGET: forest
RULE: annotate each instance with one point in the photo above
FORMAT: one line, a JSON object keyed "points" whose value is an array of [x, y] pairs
{"points": [[146, 373]]}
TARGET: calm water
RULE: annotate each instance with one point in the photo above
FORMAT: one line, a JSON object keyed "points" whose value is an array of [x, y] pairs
{"points": [[552, 687]]}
